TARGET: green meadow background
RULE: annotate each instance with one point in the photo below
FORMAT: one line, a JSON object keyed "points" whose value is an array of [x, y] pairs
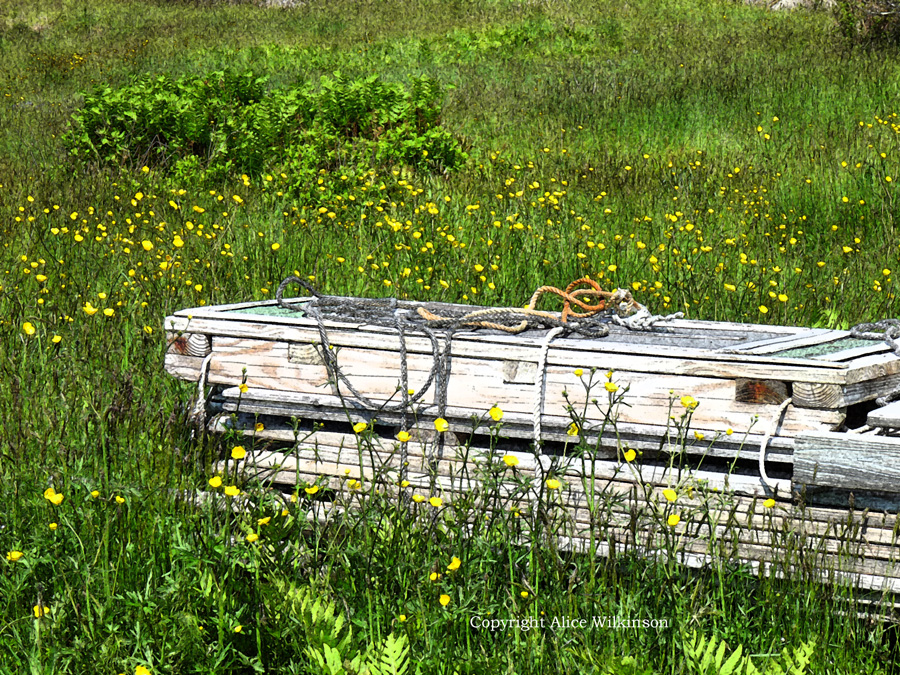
{"points": [[715, 158]]}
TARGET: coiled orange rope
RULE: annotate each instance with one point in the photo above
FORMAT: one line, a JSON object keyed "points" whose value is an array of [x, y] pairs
{"points": [[619, 301]]}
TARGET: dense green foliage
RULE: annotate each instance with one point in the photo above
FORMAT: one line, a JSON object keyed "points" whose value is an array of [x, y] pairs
{"points": [[714, 157], [225, 124]]}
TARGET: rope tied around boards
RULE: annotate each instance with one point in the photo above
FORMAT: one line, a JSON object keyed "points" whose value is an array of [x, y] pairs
{"points": [[587, 311], [887, 330]]}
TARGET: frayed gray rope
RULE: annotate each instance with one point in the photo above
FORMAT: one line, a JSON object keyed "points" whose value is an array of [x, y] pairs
{"points": [[199, 409], [399, 316], [311, 309], [773, 427], [540, 385], [887, 330], [643, 319]]}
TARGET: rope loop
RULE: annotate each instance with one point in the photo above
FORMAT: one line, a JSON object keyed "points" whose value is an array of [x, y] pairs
{"points": [[587, 311], [887, 330]]}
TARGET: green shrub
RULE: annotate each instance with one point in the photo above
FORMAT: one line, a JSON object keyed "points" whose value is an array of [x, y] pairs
{"points": [[230, 123]]}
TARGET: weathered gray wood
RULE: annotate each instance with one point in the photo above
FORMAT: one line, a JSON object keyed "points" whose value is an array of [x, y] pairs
{"points": [[649, 358], [849, 354], [484, 382], [803, 338], [182, 366], [815, 395], [846, 461], [886, 416], [642, 437]]}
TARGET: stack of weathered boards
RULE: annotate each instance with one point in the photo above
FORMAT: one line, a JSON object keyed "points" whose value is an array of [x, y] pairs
{"points": [[823, 493]]}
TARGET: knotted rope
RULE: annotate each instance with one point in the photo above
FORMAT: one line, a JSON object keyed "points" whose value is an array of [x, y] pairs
{"points": [[578, 316], [887, 330]]}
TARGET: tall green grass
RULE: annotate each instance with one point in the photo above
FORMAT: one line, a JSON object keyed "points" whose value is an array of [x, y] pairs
{"points": [[636, 142]]}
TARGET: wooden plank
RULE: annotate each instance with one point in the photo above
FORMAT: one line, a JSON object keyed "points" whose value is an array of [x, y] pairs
{"points": [[815, 395], [813, 336], [719, 523], [886, 416], [578, 353], [616, 469], [848, 462], [554, 427], [865, 519], [843, 554], [182, 366], [647, 439], [482, 383], [872, 367], [269, 365], [854, 353]]}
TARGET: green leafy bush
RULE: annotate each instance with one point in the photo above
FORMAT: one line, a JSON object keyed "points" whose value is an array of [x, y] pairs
{"points": [[232, 123]]}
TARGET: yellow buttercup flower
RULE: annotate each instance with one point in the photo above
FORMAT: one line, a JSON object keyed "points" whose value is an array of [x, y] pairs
{"points": [[311, 490], [444, 600], [441, 424], [251, 537], [510, 460], [611, 387], [120, 500], [689, 402], [403, 436], [629, 455], [89, 309], [14, 556], [496, 414], [573, 429], [436, 502], [215, 481], [454, 564], [39, 611], [553, 484], [359, 427], [579, 372], [232, 491], [670, 495], [28, 328], [53, 496], [243, 388], [673, 520], [238, 452], [141, 670], [418, 499], [769, 503]]}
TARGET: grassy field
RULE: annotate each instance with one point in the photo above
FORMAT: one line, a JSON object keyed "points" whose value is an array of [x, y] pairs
{"points": [[715, 158]]}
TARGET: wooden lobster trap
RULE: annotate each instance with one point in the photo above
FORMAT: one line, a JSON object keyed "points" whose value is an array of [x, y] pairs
{"points": [[769, 437]]}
